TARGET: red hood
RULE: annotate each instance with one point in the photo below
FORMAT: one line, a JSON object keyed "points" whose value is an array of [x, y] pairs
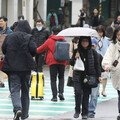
{"points": [[54, 37]]}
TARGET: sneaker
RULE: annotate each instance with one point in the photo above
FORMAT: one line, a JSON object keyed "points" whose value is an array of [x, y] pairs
{"points": [[84, 117], [61, 96], [118, 117], [17, 115], [54, 99], [76, 115], [91, 116], [2, 85]]}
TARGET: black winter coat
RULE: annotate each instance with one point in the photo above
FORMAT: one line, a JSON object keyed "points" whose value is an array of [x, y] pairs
{"points": [[40, 36], [92, 65], [19, 49], [96, 20]]}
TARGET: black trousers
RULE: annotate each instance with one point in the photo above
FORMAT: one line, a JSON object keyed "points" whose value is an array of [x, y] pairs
{"points": [[118, 101], [57, 69], [39, 59], [81, 93]]}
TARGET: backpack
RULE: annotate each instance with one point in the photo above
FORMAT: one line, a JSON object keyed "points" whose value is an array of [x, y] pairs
{"points": [[52, 20], [61, 50]]}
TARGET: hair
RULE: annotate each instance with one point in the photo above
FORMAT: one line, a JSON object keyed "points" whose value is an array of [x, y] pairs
{"points": [[4, 18], [95, 8], [101, 28], [115, 35], [56, 30], [80, 40], [52, 10], [40, 20], [109, 32], [20, 17]]}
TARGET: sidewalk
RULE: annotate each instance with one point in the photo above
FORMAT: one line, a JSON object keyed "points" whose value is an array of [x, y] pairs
{"points": [[107, 110]]}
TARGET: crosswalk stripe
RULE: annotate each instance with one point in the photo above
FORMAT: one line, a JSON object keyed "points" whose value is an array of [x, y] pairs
{"points": [[46, 108]]}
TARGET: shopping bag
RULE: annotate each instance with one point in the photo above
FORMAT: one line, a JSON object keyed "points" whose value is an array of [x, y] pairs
{"points": [[79, 65]]}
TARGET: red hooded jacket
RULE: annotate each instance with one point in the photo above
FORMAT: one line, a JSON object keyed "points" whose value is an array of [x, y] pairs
{"points": [[50, 46]]}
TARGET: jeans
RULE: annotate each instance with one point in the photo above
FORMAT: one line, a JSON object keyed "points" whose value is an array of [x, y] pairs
{"points": [[54, 70], [93, 101], [19, 89]]}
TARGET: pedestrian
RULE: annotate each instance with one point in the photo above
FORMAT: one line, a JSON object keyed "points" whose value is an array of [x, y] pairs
{"points": [[53, 19], [56, 67], [103, 44], [4, 30], [40, 34], [82, 17], [13, 27], [95, 19], [60, 16], [111, 62], [73, 46], [94, 91], [116, 23], [19, 49], [92, 67]]}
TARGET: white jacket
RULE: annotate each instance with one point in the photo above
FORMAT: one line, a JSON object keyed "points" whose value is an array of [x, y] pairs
{"points": [[111, 55]]}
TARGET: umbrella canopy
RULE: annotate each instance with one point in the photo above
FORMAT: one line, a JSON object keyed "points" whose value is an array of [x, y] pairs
{"points": [[79, 31]]}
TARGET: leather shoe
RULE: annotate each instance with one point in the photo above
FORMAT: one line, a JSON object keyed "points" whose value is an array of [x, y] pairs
{"points": [[104, 95], [61, 96], [54, 99], [76, 115]]}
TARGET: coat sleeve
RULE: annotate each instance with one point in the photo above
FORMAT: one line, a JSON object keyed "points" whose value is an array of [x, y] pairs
{"points": [[32, 46], [43, 47], [71, 49], [72, 60], [107, 59], [4, 45], [97, 64]]}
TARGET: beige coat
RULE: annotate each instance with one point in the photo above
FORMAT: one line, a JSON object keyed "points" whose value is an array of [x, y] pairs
{"points": [[111, 55], [72, 46]]}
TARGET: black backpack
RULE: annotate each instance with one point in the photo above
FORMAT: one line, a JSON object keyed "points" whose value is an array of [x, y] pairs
{"points": [[61, 50]]}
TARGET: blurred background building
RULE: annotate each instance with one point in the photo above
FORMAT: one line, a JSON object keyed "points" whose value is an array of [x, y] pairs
{"points": [[35, 9]]}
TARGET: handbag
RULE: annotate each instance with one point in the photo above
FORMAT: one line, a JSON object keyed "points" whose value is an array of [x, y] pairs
{"points": [[1, 63], [91, 81], [70, 82], [79, 65]]}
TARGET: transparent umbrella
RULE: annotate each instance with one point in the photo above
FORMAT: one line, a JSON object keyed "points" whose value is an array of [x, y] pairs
{"points": [[78, 31]]}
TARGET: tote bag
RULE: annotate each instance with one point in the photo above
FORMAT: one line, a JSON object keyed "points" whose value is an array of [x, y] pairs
{"points": [[79, 65]]}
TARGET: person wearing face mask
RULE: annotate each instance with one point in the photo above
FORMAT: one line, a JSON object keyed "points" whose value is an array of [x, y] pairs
{"points": [[40, 34]]}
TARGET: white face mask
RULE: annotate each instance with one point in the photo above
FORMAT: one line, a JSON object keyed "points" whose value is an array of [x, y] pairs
{"points": [[39, 28]]}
